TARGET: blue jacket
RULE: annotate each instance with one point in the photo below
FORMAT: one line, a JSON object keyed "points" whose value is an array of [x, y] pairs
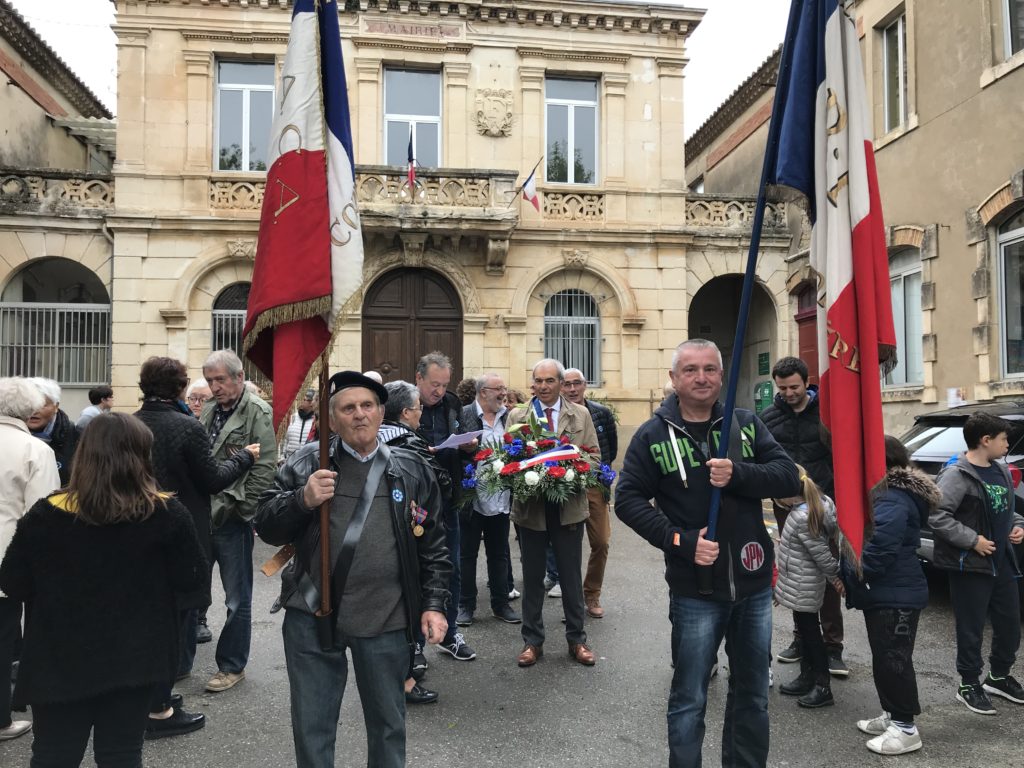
{"points": [[892, 576]]}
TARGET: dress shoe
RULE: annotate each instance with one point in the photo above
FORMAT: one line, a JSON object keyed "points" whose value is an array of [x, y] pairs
{"points": [[506, 614], [203, 633], [178, 723], [529, 655], [594, 610], [818, 696], [581, 653], [420, 695], [798, 687], [15, 729]]}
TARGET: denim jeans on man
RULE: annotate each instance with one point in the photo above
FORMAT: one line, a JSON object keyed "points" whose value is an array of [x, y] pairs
{"points": [[452, 539], [698, 627], [317, 680], [232, 551]]}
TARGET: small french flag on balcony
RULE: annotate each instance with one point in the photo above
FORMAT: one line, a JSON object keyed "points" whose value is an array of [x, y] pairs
{"points": [[530, 190]]}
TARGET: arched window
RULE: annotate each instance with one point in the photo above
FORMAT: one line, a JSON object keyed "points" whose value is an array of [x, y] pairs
{"points": [[905, 285], [572, 332], [229, 317], [55, 322], [1011, 270]]}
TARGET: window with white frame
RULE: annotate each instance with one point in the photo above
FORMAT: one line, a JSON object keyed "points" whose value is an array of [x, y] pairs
{"points": [[570, 109], [412, 107], [244, 112], [894, 57], [905, 287], [572, 332], [1014, 26], [1011, 270]]}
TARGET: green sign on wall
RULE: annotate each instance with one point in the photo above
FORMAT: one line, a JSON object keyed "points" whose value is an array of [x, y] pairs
{"points": [[763, 395], [763, 368]]}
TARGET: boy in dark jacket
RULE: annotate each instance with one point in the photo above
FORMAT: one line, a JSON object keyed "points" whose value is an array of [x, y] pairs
{"points": [[670, 461], [974, 526]]}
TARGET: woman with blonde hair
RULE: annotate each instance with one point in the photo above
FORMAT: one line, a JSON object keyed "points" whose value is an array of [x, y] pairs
{"points": [[100, 563]]}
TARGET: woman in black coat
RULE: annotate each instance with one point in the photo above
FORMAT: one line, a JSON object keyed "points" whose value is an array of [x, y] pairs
{"points": [[184, 466], [100, 565], [892, 591]]}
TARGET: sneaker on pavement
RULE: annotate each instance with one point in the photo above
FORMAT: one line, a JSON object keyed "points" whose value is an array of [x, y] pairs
{"points": [[458, 649], [975, 699], [771, 677], [895, 741], [224, 680], [792, 654], [203, 633], [506, 614], [514, 594], [15, 729], [549, 583], [875, 726], [555, 591], [837, 667], [465, 617], [1007, 687]]}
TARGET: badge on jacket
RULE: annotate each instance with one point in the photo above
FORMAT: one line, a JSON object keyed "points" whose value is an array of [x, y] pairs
{"points": [[419, 515]]}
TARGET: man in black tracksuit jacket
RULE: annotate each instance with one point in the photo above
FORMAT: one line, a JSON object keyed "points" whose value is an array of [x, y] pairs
{"points": [[670, 461]]}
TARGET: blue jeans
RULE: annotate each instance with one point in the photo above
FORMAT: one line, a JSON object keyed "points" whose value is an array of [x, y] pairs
{"points": [[698, 628], [317, 682], [232, 551]]}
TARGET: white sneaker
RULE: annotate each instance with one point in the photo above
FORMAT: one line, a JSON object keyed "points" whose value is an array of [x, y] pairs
{"points": [[514, 594], [895, 742], [15, 729], [771, 677], [876, 726], [555, 591]]}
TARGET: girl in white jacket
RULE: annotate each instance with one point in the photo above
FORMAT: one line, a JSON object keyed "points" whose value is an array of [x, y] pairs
{"points": [[805, 562]]}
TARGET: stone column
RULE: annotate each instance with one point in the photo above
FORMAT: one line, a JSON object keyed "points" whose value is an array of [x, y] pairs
{"points": [[615, 138], [456, 116], [367, 129], [199, 130], [670, 143], [131, 98], [531, 121]]}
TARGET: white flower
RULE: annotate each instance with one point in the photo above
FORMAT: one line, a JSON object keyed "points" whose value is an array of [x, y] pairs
{"points": [[531, 478], [569, 475], [531, 444], [497, 466]]}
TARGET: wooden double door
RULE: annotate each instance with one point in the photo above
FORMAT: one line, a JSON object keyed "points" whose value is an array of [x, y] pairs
{"points": [[406, 314]]}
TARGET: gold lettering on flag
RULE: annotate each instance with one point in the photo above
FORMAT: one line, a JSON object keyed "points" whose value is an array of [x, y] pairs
{"points": [[287, 81], [839, 350], [281, 189], [833, 193], [350, 221], [840, 123], [290, 128]]}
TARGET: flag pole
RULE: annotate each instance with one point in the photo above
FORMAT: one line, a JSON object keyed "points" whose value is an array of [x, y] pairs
{"points": [[704, 583], [324, 614], [516, 193]]}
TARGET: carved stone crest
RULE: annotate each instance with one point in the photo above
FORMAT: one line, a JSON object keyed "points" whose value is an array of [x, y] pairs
{"points": [[242, 249], [575, 258], [494, 112]]}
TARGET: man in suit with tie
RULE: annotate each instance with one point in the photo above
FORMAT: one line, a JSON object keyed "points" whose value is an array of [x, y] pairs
{"points": [[235, 418], [541, 522]]}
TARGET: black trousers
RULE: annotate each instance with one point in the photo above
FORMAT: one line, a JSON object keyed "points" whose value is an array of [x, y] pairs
{"points": [[567, 543], [10, 631], [117, 721], [892, 633], [975, 597], [815, 656], [493, 529]]}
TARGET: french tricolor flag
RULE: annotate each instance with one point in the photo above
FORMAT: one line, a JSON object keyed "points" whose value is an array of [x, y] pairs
{"points": [[563, 453], [825, 154], [530, 190], [309, 255]]}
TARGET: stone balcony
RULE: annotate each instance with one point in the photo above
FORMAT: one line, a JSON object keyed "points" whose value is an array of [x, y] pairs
{"points": [[718, 214], [55, 192]]}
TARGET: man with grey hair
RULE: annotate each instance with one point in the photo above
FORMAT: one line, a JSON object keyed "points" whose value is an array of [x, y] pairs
{"points": [[439, 419], [488, 517], [561, 525], [235, 418], [28, 472], [54, 427]]}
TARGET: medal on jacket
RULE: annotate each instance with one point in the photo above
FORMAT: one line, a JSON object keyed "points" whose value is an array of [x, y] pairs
{"points": [[419, 515]]}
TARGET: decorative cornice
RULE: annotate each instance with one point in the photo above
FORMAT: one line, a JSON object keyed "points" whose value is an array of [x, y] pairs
{"points": [[41, 57], [755, 86], [526, 52], [235, 36], [406, 44]]}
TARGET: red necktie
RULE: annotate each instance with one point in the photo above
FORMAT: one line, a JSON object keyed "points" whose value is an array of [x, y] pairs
{"points": [[550, 412]]}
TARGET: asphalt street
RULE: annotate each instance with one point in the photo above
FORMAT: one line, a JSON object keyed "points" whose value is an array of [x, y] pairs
{"points": [[492, 713]]}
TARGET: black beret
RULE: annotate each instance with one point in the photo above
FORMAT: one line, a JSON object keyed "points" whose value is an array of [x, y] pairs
{"points": [[346, 379]]}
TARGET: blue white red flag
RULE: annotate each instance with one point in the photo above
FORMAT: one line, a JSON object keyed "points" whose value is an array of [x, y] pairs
{"points": [[412, 165], [564, 453], [309, 255], [530, 190], [825, 155]]}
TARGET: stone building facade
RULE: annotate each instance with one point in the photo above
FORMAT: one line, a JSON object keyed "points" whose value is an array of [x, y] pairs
{"points": [[618, 266], [950, 168]]}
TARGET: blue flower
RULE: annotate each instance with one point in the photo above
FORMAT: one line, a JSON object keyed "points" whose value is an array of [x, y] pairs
{"points": [[469, 483], [470, 470]]}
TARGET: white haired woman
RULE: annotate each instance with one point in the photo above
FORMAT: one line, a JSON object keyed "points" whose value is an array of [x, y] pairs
{"points": [[54, 427], [28, 472]]}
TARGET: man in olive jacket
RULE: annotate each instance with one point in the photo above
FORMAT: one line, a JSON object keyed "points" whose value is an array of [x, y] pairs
{"points": [[235, 418], [561, 525], [396, 584]]}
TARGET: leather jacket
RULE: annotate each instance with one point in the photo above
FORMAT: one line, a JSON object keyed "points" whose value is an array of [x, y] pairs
{"points": [[282, 518]]}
